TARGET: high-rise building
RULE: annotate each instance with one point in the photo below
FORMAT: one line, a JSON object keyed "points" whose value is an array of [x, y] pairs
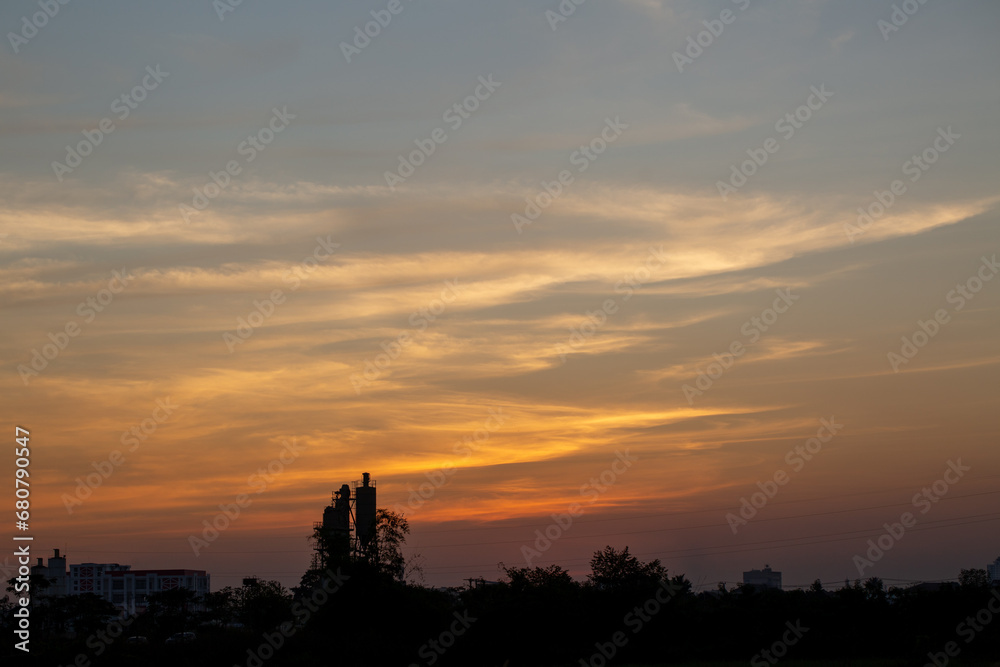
{"points": [[993, 571]]}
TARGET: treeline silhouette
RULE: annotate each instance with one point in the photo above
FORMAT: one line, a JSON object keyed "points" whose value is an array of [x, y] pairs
{"points": [[358, 611]]}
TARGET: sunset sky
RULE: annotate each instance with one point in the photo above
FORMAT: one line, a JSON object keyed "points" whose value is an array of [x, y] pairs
{"points": [[553, 339]]}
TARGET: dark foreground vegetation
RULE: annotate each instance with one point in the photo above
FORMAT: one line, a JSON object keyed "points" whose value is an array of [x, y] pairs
{"points": [[628, 612]]}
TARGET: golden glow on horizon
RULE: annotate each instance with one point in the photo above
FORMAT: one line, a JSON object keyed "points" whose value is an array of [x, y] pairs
{"points": [[494, 347]]}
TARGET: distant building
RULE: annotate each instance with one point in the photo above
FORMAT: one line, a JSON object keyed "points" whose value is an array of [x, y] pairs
{"points": [[120, 585], [933, 586], [766, 578], [129, 589], [993, 571], [91, 577], [55, 573]]}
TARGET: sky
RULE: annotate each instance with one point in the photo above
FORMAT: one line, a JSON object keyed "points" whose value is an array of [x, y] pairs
{"points": [[603, 271]]}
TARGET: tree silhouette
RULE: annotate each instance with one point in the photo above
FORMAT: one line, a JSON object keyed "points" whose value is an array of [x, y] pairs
{"points": [[385, 552], [681, 585], [220, 606], [875, 590], [261, 605], [553, 578], [616, 570], [975, 579], [172, 610]]}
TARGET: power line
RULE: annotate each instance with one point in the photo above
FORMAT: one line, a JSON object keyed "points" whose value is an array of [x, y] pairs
{"points": [[699, 511], [647, 516], [679, 553], [572, 537], [707, 525], [665, 554]]}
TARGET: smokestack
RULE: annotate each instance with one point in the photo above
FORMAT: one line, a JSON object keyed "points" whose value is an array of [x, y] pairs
{"points": [[365, 510], [57, 553]]}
